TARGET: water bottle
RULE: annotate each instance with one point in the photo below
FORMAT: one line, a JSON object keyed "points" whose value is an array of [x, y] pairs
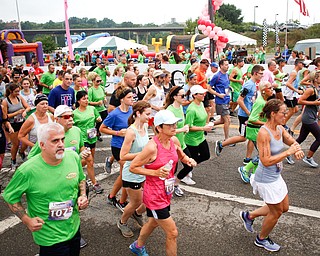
{"points": [[167, 167]]}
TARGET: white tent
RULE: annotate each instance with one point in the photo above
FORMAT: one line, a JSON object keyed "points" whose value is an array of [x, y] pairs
{"points": [[234, 39]]}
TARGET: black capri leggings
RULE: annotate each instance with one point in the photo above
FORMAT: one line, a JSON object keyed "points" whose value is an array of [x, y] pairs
{"points": [[186, 168], [315, 131], [201, 152]]}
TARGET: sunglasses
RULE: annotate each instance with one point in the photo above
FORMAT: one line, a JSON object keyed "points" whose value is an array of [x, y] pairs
{"points": [[67, 116], [98, 81], [182, 95]]}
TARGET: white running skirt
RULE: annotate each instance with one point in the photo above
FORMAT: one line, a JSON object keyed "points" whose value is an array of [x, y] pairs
{"points": [[271, 193]]}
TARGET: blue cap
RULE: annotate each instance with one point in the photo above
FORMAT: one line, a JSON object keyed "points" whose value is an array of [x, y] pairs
{"points": [[213, 64]]}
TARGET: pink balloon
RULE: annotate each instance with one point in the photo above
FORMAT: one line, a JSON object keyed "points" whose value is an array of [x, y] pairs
{"points": [[215, 38], [217, 8], [208, 23], [219, 33], [199, 27], [199, 21], [202, 27], [212, 25], [205, 32], [212, 34], [209, 28]]}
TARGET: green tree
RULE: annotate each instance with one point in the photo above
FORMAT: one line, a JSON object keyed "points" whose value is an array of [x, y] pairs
{"points": [[48, 43], [191, 26], [230, 13]]}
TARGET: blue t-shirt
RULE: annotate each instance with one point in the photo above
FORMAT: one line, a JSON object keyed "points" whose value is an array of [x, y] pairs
{"points": [[116, 121], [220, 83], [58, 96], [250, 98]]}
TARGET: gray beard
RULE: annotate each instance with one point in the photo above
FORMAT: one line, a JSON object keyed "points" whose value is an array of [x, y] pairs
{"points": [[59, 156]]}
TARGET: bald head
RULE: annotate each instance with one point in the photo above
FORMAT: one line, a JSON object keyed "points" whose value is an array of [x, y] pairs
{"points": [[130, 79]]}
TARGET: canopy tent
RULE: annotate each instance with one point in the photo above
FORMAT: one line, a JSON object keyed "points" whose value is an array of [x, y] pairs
{"points": [[105, 43], [234, 39], [86, 43], [117, 43]]}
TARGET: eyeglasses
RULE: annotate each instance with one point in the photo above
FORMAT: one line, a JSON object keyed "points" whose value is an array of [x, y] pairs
{"points": [[98, 81], [66, 116], [260, 73], [284, 113], [16, 77], [182, 95]]}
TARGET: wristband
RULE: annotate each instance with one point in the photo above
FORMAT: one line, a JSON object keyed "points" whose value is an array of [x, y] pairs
{"points": [[117, 133], [277, 90]]}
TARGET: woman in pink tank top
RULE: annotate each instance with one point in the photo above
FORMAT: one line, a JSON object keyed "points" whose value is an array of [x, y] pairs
{"points": [[158, 161]]}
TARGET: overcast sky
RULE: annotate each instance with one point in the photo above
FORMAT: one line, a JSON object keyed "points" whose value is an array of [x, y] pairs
{"points": [[149, 11]]}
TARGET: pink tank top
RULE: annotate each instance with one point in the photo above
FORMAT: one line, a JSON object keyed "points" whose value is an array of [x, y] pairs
{"points": [[154, 194]]}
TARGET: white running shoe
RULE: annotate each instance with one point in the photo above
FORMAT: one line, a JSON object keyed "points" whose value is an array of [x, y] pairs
{"points": [[310, 162], [187, 180]]}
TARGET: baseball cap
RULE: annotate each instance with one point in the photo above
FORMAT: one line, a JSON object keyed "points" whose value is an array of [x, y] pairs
{"points": [[61, 110], [39, 98], [307, 62], [299, 61], [157, 73], [214, 65], [197, 89], [165, 117]]}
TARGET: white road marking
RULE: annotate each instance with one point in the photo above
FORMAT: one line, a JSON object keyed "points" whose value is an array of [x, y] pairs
{"points": [[249, 201], [12, 221], [8, 223]]}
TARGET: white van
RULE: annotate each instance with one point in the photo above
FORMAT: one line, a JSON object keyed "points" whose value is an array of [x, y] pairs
{"points": [[308, 43]]}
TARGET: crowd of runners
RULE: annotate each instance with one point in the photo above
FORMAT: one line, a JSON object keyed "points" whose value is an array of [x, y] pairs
{"points": [[55, 118]]}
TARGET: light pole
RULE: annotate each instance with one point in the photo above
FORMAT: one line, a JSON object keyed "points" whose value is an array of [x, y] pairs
{"points": [[254, 14], [275, 17], [18, 15], [212, 42]]}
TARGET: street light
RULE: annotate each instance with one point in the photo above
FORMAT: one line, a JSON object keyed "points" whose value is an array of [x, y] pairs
{"points": [[254, 14], [18, 14], [275, 18]]}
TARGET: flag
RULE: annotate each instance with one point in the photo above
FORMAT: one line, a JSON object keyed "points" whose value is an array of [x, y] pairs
{"points": [[71, 56], [264, 33], [303, 8]]}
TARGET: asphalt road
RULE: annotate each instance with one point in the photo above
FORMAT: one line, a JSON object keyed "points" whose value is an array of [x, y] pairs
{"points": [[207, 216]]}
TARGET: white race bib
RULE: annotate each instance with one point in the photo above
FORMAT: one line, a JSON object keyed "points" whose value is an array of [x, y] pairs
{"points": [[60, 210]]}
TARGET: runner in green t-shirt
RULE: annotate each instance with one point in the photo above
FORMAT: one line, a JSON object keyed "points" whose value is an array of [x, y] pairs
{"points": [[173, 103], [196, 118], [47, 80], [102, 71], [236, 82], [52, 182]]}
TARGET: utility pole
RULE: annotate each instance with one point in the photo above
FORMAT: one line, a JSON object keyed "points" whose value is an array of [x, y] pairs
{"points": [[212, 42]]}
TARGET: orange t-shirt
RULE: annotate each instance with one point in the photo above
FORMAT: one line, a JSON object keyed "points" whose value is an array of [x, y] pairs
{"points": [[200, 77]]}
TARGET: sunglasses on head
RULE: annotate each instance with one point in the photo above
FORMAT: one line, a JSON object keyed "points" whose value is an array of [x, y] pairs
{"points": [[66, 116]]}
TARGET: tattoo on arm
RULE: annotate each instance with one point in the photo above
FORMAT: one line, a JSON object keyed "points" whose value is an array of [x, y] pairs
{"points": [[17, 209], [82, 187]]}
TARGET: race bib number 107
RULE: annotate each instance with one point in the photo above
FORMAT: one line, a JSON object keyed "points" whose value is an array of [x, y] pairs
{"points": [[60, 210]]}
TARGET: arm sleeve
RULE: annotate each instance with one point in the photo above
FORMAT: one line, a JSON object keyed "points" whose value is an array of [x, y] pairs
{"points": [[190, 117], [109, 121], [16, 188]]}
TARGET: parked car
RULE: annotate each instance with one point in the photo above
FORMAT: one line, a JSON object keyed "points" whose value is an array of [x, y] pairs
{"points": [[291, 26], [255, 28]]}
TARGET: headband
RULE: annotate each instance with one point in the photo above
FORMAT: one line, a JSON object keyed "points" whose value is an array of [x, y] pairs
{"points": [[39, 98], [124, 94]]}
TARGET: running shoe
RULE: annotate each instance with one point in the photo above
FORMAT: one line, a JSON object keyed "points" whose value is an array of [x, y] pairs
{"points": [[178, 191], [121, 206], [112, 200], [218, 148], [247, 223], [290, 160], [22, 155], [212, 119], [246, 160], [83, 243], [138, 251], [244, 174], [187, 180], [267, 244], [310, 162], [138, 218], [13, 165], [97, 188], [125, 230], [107, 166]]}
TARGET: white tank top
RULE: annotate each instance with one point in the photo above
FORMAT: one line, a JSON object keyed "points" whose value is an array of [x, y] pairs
{"points": [[33, 133], [158, 100]]}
